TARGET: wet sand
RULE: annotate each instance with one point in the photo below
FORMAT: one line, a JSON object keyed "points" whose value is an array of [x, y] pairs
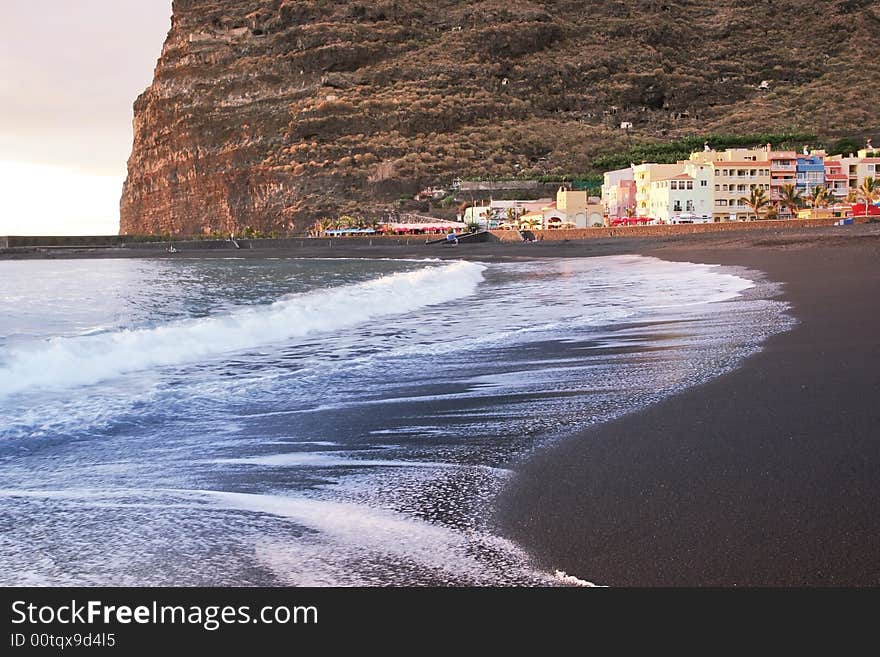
{"points": [[768, 476]]}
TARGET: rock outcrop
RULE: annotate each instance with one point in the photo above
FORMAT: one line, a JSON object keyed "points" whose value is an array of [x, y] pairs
{"points": [[270, 113]]}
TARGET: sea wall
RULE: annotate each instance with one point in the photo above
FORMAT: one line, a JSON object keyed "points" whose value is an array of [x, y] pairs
{"points": [[14, 241], [662, 231]]}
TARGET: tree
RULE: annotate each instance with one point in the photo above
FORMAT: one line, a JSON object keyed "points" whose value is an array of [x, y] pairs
{"points": [[821, 197], [869, 191], [531, 223], [790, 197], [844, 146], [757, 201]]}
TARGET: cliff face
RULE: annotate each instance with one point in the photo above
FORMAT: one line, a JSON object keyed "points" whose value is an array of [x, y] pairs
{"points": [[269, 113]]}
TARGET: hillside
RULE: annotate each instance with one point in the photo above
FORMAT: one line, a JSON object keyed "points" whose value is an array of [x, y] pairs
{"points": [[270, 113]]}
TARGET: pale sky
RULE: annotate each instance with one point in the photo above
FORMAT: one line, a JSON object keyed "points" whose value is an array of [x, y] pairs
{"points": [[69, 73]]}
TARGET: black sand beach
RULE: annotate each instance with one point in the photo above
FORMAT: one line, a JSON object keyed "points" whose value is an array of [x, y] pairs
{"points": [[768, 476]]}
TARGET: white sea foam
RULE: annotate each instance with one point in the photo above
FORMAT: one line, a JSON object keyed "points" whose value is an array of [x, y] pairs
{"points": [[570, 580], [325, 460], [338, 459], [66, 362], [348, 533]]}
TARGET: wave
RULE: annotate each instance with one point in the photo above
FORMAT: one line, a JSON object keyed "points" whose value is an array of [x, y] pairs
{"points": [[338, 459], [62, 363]]}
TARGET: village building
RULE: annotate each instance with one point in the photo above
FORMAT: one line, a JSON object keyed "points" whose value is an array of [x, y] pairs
{"points": [[836, 181], [684, 198], [858, 166], [477, 214], [511, 211], [644, 175], [736, 171], [495, 214], [810, 172], [573, 209], [619, 193], [783, 172], [719, 183]]}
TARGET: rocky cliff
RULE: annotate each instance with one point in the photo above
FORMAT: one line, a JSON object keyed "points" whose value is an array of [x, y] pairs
{"points": [[269, 113]]}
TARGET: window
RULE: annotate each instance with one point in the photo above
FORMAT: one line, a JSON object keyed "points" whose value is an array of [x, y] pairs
{"points": [[689, 206], [718, 187], [717, 172], [721, 202], [690, 184], [676, 206], [705, 183], [674, 184]]}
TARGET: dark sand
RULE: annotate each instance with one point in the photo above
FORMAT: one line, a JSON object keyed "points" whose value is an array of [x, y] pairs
{"points": [[768, 476]]}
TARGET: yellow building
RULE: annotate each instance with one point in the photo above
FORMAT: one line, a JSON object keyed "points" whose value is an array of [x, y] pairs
{"points": [[573, 204], [736, 171], [573, 209], [644, 175]]}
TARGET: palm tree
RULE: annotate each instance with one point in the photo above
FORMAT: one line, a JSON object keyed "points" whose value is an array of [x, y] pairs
{"points": [[820, 197], [790, 197], [757, 201], [869, 191], [347, 221], [530, 223]]}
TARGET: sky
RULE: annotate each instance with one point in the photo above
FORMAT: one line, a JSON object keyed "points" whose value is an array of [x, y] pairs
{"points": [[70, 71]]}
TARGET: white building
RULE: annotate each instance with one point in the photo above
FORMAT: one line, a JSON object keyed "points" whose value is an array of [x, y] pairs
{"points": [[683, 198]]}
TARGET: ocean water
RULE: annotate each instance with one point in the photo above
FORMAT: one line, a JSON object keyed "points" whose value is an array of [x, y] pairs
{"points": [[323, 422]]}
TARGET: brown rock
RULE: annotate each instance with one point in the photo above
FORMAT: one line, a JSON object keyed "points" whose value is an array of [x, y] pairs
{"points": [[270, 113]]}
